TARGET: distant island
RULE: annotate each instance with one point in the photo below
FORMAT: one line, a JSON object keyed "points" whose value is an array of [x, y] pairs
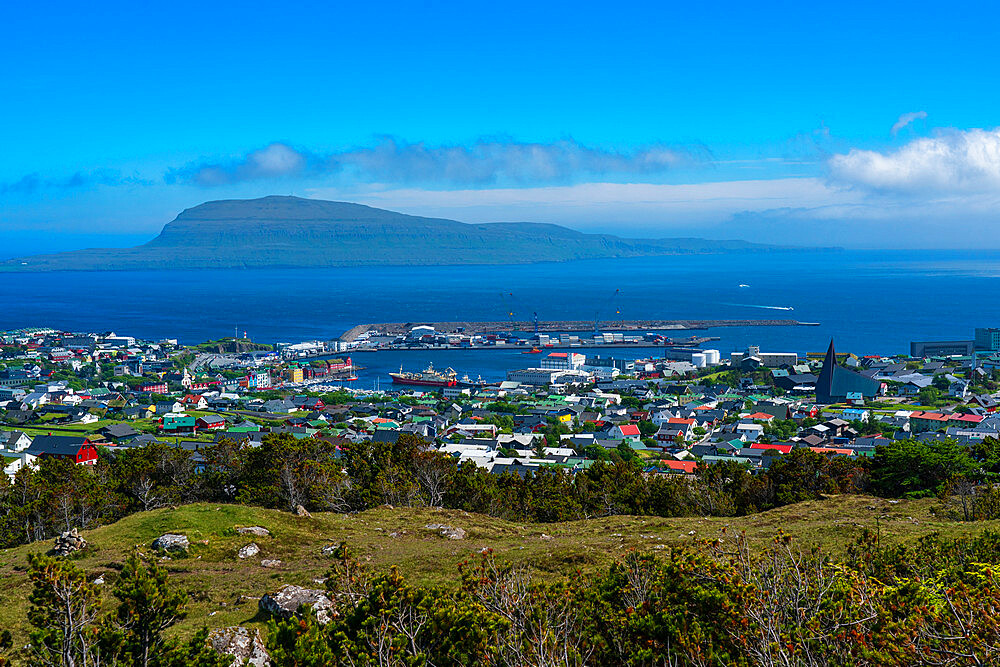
{"points": [[281, 231]]}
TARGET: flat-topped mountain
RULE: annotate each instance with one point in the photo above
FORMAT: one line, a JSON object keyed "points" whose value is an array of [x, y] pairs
{"points": [[280, 231]]}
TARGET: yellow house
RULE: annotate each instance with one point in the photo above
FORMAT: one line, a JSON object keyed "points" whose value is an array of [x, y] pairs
{"points": [[295, 374]]}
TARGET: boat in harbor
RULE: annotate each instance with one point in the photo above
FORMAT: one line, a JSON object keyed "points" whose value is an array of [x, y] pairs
{"points": [[533, 350], [427, 378]]}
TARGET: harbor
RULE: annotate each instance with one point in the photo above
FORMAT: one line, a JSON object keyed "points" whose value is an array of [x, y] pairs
{"points": [[537, 334]]}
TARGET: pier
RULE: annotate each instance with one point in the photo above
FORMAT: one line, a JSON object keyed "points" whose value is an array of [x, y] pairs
{"points": [[559, 326]]}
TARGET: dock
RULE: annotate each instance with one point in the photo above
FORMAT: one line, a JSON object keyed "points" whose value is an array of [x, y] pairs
{"points": [[560, 326]]}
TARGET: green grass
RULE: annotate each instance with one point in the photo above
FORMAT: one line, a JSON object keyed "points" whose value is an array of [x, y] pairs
{"points": [[224, 591]]}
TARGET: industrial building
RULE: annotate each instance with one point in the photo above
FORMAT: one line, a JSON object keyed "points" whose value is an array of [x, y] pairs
{"points": [[768, 359], [942, 348], [988, 339]]}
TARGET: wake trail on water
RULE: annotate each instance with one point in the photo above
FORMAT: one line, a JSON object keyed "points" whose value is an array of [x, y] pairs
{"points": [[754, 305]]}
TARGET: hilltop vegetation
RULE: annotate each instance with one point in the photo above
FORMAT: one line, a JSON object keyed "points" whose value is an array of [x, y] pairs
{"points": [[392, 551], [292, 232]]}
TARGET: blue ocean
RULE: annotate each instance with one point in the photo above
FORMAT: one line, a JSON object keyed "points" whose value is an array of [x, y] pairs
{"points": [[867, 301]]}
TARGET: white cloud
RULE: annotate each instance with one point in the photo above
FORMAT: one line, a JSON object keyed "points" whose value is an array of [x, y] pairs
{"points": [[273, 161], [953, 162], [485, 163], [907, 118], [596, 205]]}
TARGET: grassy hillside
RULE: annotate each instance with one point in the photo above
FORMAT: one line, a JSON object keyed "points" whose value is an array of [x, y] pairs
{"points": [[224, 590]]}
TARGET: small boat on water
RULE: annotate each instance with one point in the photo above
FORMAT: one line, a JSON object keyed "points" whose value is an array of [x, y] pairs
{"points": [[533, 350]]}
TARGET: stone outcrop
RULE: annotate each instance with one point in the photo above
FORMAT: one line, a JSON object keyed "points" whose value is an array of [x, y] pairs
{"points": [[286, 602], [451, 532], [249, 551], [302, 512], [256, 531], [245, 645], [270, 562], [171, 542], [69, 542]]}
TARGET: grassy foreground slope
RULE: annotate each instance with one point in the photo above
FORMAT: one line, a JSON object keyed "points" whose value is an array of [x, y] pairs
{"points": [[224, 590]]}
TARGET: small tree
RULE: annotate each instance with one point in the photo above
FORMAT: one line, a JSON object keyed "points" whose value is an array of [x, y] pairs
{"points": [[146, 608], [64, 612]]}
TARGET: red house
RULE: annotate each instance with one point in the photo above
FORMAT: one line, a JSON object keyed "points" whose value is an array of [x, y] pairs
{"points": [[64, 446], [679, 467], [209, 422], [309, 403]]}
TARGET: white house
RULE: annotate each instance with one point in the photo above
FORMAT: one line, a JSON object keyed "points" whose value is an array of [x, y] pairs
{"points": [[14, 441], [20, 459], [752, 431]]}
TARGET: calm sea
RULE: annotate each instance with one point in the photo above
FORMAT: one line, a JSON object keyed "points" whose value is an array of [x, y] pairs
{"points": [[868, 301]]}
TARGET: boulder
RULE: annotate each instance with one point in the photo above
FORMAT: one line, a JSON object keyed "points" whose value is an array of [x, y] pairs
{"points": [[302, 512], [245, 645], [286, 602], [330, 549], [69, 542], [451, 532], [270, 562], [256, 531], [171, 542], [249, 551]]}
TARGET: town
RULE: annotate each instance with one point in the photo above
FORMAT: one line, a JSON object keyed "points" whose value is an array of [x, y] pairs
{"points": [[83, 395]]}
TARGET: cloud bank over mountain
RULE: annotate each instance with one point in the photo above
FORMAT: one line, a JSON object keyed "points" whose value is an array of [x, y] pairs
{"points": [[942, 189], [485, 162]]}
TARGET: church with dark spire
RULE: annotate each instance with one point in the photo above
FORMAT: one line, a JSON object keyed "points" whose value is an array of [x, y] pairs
{"points": [[836, 383]]}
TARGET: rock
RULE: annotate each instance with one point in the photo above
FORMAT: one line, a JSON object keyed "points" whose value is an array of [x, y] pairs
{"points": [[256, 531], [69, 542], [286, 602], [99, 581], [245, 645], [302, 512], [329, 549], [249, 551], [451, 532], [171, 542], [545, 537], [270, 562]]}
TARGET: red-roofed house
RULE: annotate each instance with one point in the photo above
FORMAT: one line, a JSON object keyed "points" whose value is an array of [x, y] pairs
{"points": [[195, 402], [928, 421], [759, 417], [784, 449], [679, 467], [964, 421], [626, 432], [686, 426]]}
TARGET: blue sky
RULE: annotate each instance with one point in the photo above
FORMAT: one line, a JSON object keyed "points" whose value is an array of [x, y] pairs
{"points": [[827, 123]]}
